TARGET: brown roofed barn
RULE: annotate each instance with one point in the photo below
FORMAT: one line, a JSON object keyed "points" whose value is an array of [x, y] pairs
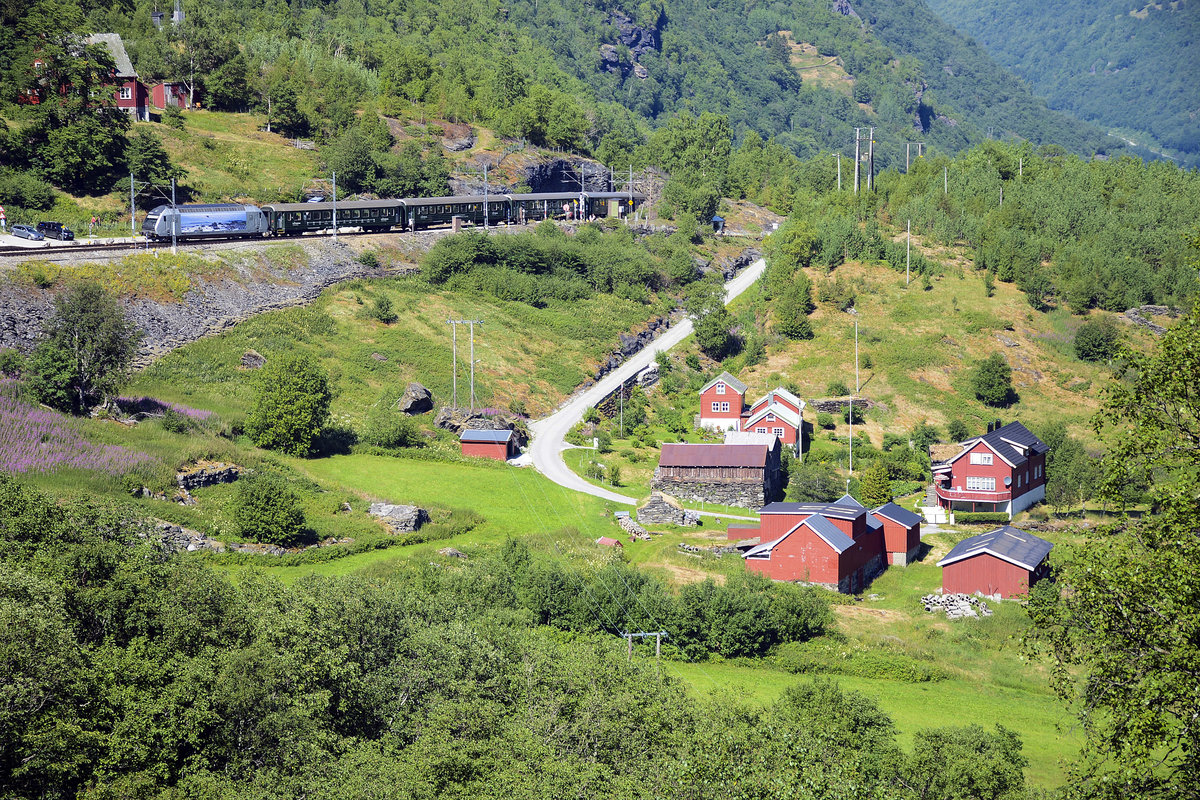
{"points": [[746, 475]]}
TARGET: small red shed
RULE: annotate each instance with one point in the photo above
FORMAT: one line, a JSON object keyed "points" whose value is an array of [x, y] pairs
{"points": [[901, 533], [499, 445], [1003, 562], [605, 541]]}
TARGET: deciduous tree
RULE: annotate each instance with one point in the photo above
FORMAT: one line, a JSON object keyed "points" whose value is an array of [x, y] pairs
{"points": [[291, 404]]}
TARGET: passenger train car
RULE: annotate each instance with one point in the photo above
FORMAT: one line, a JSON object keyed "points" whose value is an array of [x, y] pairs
{"points": [[293, 219]]}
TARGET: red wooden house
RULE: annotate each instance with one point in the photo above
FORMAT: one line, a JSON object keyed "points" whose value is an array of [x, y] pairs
{"points": [[1002, 471], [1005, 562], [499, 445], [721, 403], [780, 413], [129, 93], [901, 533], [836, 545]]}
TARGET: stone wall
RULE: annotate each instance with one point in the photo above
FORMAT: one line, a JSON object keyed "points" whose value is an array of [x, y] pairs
{"points": [[207, 475], [660, 509], [742, 495]]}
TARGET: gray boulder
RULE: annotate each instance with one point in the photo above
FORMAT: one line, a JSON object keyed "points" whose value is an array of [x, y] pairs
{"points": [[415, 400], [252, 359], [399, 519]]}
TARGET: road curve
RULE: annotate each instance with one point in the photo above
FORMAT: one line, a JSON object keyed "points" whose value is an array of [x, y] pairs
{"points": [[549, 433]]}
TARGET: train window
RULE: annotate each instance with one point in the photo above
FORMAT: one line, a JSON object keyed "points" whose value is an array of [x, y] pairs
{"points": [[307, 215]]}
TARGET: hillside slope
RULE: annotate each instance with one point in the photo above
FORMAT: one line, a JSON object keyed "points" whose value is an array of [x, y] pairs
{"points": [[1125, 65]]}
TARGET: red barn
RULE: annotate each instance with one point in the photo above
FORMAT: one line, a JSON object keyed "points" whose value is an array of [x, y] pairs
{"points": [[1004, 562], [169, 93], [901, 533], [1001, 471], [836, 545], [721, 402], [499, 445]]}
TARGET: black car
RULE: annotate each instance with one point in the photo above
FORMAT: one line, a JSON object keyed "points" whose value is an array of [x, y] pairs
{"points": [[56, 230], [27, 232]]}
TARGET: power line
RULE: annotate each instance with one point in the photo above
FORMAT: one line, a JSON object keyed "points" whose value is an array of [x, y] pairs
{"points": [[454, 323]]}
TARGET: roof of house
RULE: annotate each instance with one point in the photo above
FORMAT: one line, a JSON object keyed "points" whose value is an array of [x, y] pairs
{"points": [[750, 437], [1013, 442], [727, 379], [846, 500], [608, 542], [477, 435], [783, 394], [830, 510], [713, 455], [785, 413], [818, 524], [116, 49], [898, 514], [1008, 544]]}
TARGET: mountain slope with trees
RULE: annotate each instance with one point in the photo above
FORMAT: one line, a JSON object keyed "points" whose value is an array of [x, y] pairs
{"points": [[1130, 66]]}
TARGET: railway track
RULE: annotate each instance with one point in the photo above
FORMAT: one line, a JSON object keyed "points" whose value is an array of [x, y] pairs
{"points": [[9, 251]]}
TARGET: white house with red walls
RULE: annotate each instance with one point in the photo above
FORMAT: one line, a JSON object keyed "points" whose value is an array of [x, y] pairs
{"points": [[1002, 471], [779, 413]]}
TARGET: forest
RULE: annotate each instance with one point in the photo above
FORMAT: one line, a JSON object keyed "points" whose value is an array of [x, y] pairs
{"points": [[1132, 69]]}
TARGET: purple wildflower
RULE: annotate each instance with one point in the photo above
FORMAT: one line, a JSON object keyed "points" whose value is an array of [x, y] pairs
{"points": [[34, 439]]}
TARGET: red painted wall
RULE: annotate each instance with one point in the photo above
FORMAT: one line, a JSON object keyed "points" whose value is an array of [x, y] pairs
{"points": [[790, 434], [803, 556], [735, 400], [496, 450], [899, 539], [734, 534], [985, 573], [997, 469]]}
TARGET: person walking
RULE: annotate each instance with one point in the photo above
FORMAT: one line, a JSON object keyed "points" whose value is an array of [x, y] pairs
{"points": [[3, 221]]}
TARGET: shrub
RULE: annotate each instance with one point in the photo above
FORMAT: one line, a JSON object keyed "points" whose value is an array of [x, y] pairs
{"points": [[268, 511], [368, 259], [382, 310], [174, 422], [693, 361], [825, 420], [291, 404], [1096, 340], [837, 389], [12, 362], [603, 442], [980, 518], [992, 381], [957, 430], [853, 410]]}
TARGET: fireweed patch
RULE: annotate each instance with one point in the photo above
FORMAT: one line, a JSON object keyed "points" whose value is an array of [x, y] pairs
{"points": [[37, 440]]}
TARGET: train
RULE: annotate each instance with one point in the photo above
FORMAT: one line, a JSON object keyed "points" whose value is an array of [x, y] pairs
{"points": [[376, 216]]}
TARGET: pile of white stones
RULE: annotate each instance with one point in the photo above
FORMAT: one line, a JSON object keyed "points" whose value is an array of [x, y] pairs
{"points": [[956, 606]]}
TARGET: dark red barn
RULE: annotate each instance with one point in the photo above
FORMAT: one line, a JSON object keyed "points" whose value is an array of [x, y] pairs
{"points": [[499, 445], [901, 533], [1003, 562], [836, 545]]}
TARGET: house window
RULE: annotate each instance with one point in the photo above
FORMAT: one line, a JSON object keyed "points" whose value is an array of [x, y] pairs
{"points": [[981, 484], [981, 458], [720, 388], [725, 406], [716, 407], [779, 431], [126, 93], [760, 430], [770, 417]]}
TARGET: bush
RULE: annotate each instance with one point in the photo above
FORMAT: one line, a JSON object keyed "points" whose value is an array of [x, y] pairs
{"points": [[368, 259], [382, 310], [980, 518], [1097, 340], [291, 404], [957, 431], [268, 511], [825, 420], [837, 389], [856, 411], [992, 381], [11, 362]]}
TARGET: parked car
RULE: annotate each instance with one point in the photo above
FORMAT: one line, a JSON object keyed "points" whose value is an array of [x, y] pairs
{"points": [[56, 230], [27, 232]]}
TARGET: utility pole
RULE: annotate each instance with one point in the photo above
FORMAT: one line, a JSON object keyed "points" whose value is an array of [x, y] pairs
{"points": [[856, 158], [908, 254], [839, 155], [485, 227], [454, 360], [857, 385], [454, 323], [945, 180], [472, 324], [335, 206], [132, 209], [908, 150], [871, 161], [658, 637], [174, 227], [622, 400]]}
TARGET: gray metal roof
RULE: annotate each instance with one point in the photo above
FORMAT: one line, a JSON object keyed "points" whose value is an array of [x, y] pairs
{"points": [[728, 379], [818, 524], [614, 195], [1008, 442], [898, 514], [831, 510], [477, 435], [116, 48], [1008, 543], [847, 500]]}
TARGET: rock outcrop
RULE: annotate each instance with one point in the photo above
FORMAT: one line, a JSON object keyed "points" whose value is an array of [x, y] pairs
{"points": [[1138, 316], [252, 359], [399, 519], [207, 474]]}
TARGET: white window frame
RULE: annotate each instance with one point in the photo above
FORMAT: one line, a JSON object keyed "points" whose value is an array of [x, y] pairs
{"points": [[760, 430], [984, 459], [770, 417], [716, 407], [976, 483], [725, 406], [126, 93], [720, 388], [779, 431]]}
